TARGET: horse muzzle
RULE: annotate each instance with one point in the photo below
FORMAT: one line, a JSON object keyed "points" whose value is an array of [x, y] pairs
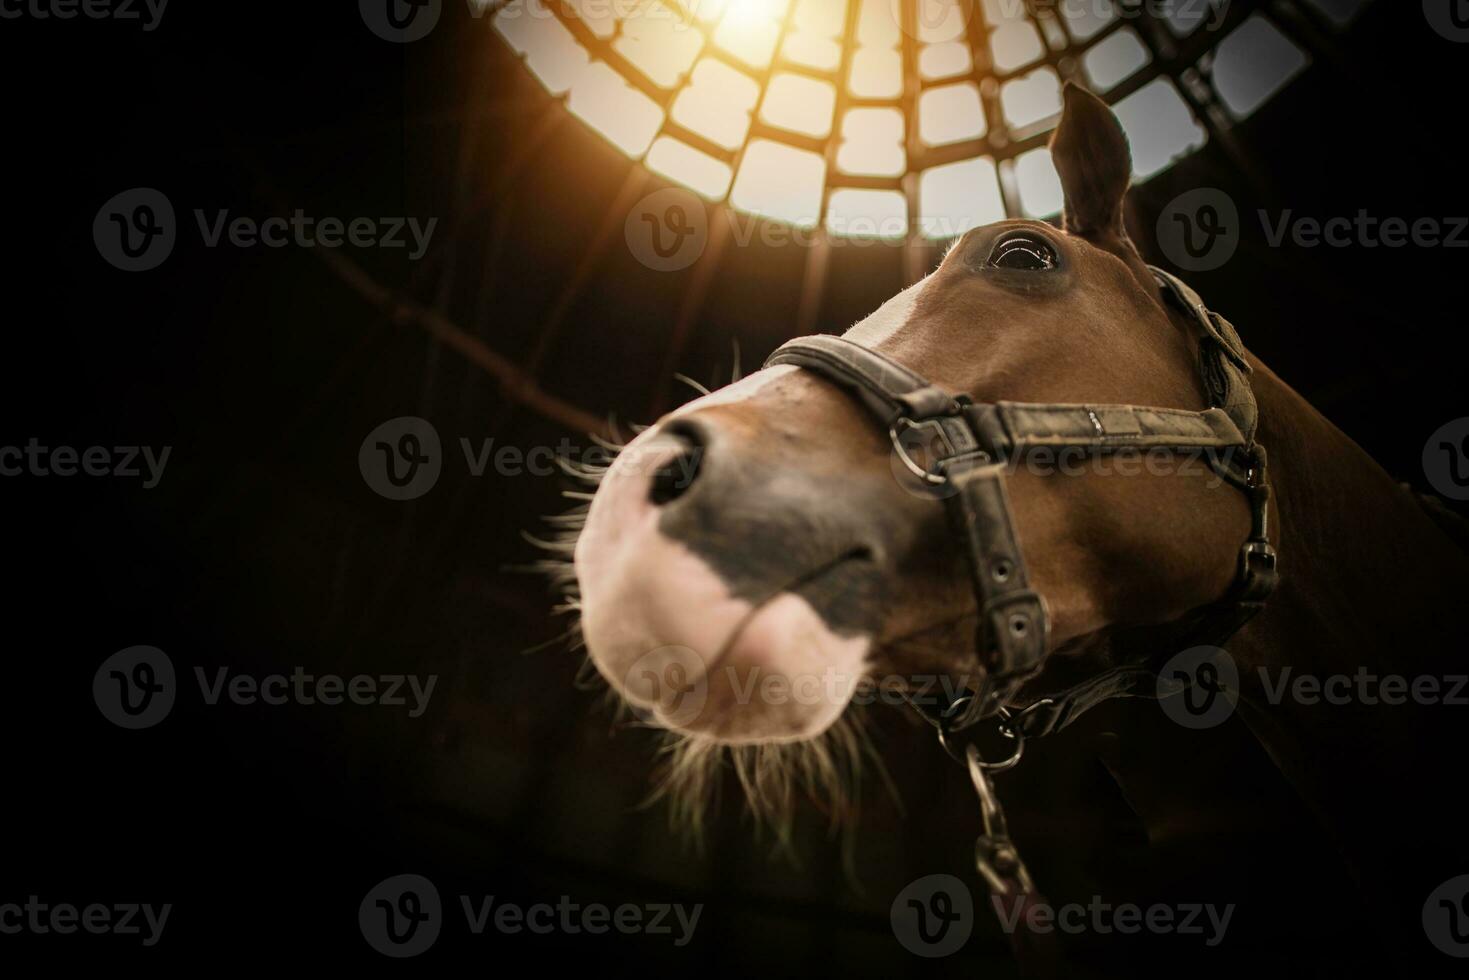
{"points": [[722, 593]]}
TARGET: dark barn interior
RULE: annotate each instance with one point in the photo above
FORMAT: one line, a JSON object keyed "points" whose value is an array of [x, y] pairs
{"points": [[263, 550]]}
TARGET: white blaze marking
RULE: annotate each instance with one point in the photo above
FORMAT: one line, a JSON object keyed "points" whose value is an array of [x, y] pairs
{"points": [[888, 318]]}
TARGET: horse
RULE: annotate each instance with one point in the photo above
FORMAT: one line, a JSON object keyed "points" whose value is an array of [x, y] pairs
{"points": [[753, 562]]}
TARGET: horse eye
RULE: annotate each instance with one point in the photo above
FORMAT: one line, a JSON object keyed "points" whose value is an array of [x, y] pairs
{"points": [[1023, 252]]}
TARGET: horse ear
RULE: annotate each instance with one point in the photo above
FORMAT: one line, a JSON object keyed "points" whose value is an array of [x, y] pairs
{"points": [[1092, 158]]}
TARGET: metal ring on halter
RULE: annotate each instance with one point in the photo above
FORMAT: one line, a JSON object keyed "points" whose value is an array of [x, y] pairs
{"points": [[895, 432], [1006, 728]]}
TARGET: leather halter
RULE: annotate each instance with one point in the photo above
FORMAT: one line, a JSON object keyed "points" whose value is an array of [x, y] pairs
{"points": [[977, 441]]}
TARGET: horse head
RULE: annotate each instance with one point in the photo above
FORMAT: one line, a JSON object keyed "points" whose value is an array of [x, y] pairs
{"points": [[754, 558]]}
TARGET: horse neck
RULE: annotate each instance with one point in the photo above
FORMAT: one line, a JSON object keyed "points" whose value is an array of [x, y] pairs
{"points": [[1368, 580], [1370, 588]]}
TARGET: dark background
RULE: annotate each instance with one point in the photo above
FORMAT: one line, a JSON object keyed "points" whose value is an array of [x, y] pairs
{"points": [[263, 548]]}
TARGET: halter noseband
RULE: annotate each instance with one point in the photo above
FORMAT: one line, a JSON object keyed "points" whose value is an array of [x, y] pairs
{"points": [[976, 441]]}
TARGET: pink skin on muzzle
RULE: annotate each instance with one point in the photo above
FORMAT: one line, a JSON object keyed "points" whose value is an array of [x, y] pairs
{"points": [[664, 630]]}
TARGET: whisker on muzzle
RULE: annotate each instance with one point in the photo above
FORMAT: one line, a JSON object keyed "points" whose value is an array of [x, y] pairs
{"points": [[773, 777]]}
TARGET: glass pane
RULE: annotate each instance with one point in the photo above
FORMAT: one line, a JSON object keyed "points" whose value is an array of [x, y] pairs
{"points": [[1015, 44], [550, 52], [872, 143], [1115, 58], [627, 117], [877, 73], [717, 103], [708, 11], [1039, 184], [1031, 98], [867, 214], [698, 171], [944, 60], [749, 30], [821, 18], [959, 196], [1254, 63], [800, 104], [1159, 126], [876, 25], [660, 45], [817, 52], [1087, 19], [780, 181], [950, 114]]}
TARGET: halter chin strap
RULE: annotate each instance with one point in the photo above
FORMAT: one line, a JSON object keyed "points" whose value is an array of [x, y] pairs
{"points": [[972, 445]]}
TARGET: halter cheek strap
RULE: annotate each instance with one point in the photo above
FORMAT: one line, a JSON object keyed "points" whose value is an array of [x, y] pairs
{"points": [[973, 444]]}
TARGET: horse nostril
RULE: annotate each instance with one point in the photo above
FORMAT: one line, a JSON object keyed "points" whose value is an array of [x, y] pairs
{"points": [[673, 479]]}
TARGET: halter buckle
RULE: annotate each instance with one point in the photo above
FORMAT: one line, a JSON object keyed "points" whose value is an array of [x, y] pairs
{"points": [[1257, 572]]}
